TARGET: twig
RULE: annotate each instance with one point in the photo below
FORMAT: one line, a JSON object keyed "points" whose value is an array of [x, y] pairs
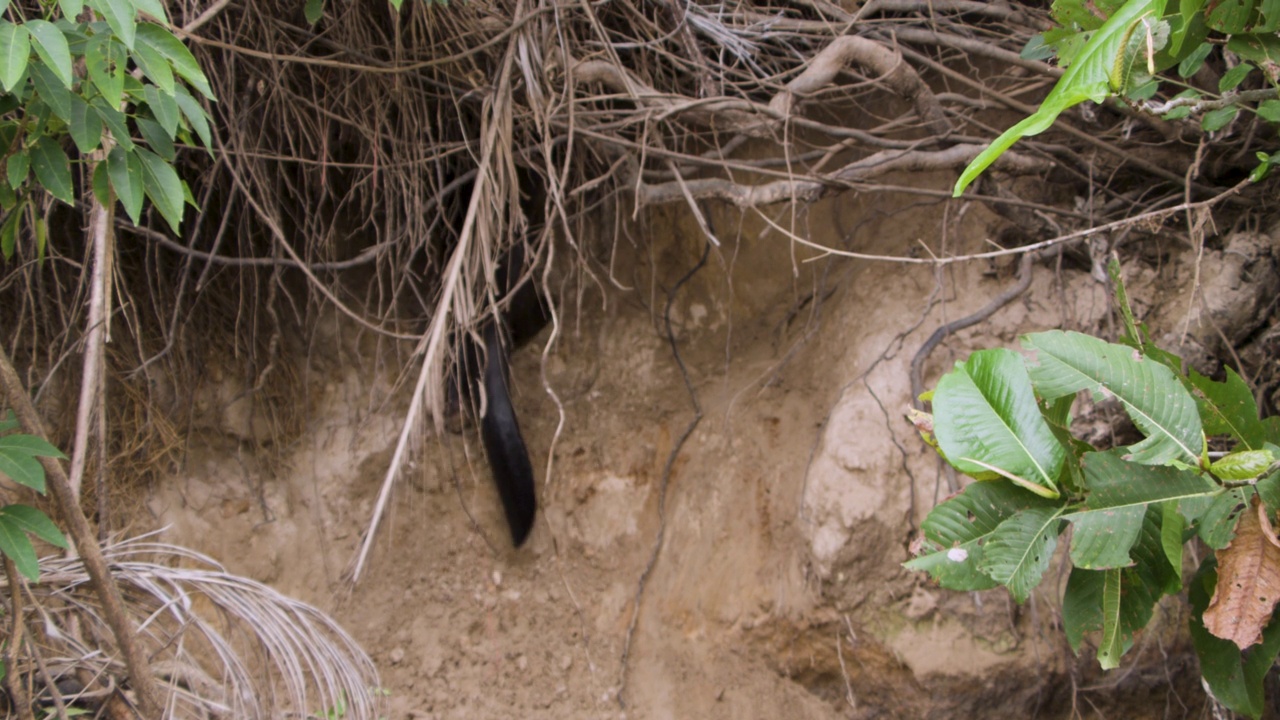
{"points": [[12, 679], [77, 524]]}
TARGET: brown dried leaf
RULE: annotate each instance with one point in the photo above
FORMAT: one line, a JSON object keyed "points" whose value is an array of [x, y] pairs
{"points": [[1248, 584]]}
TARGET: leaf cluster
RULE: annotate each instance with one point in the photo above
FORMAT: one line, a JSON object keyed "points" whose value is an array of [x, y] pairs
{"points": [[87, 71], [1126, 48], [18, 461], [1005, 418]]}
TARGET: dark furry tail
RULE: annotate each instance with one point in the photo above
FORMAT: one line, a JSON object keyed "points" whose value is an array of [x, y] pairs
{"points": [[503, 444]]}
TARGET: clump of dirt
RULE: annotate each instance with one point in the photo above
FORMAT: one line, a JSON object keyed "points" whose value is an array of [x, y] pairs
{"points": [[776, 589]]}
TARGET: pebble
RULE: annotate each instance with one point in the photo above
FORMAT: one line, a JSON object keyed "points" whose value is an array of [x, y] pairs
{"points": [[397, 655]]}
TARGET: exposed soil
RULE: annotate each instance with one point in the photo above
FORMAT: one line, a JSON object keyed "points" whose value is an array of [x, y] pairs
{"points": [[778, 590]]}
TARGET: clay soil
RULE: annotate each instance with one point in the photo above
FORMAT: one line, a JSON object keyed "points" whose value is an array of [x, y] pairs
{"points": [[780, 522]]}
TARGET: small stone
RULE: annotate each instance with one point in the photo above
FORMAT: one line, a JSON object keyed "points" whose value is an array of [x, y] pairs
{"points": [[397, 655], [566, 662], [522, 662], [497, 578]]}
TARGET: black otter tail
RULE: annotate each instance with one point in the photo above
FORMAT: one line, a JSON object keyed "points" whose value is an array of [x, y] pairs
{"points": [[499, 429]]}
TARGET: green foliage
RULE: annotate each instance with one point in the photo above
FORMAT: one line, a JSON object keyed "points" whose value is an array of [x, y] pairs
{"points": [[1118, 49], [118, 74], [1004, 418], [18, 461]]}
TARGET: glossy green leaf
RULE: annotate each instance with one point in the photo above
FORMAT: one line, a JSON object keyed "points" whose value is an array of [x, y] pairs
{"points": [[163, 186], [1112, 646], [1192, 63], [1019, 550], [1269, 110], [1228, 408], [1113, 482], [164, 108], [50, 90], [15, 50], [53, 169], [1232, 78], [1243, 465], [196, 117], [1102, 538], [956, 530], [51, 46], [183, 62], [1215, 120], [155, 66], [1088, 78], [15, 544], [160, 142], [105, 61], [121, 16], [986, 417], [17, 167], [1158, 404], [36, 523], [125, 171], [86, 126]]}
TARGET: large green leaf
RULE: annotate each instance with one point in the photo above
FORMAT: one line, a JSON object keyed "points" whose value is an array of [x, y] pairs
{"points": [[15, 50], [121, 16], [53, 169], [15, 544], [36, 523], [1228, 408], [22, 469], [125, 171], [1089, 78], [1235, 677], [163, 186], [30, 445], [986, 418], [1159, 405], [86, 126], [164, 108], [1019, 550], [115, 122], [956, 530], [51, 46], [155, 66], [51, 90], [1113, 482], [1102, 538], [104, 58], [184, 63]]}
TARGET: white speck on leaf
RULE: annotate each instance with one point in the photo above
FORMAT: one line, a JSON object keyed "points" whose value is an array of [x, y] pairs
{"points": [[957, 554]]}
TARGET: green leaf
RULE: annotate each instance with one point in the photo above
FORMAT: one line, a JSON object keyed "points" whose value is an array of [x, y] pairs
{"points": [[1112, 646], [125, 170], [163, 186], [51, 46], [1088, 78], [17, 167], [1192, 63], [314, 10], [36, 523], [86, 126], [51, 91], [53, 170], [1215, 120], [1261, 49], [14, 543], [1243, 465], [196, 117], [115, 122], [1235, 677], [164, 108], [101, 186], [1269, 110], [105, 60], [1114, 483], [1232, 78], [71, 8], [1171, 526], [15, 49], [155, 66], [121, 16], [957, 529], [1228, 408], [1102, 538], [986, 417], [154, 8], [30, 445], [9, 233], [1082, 605], [1158, 404], [159, 142], [184, 63], [1217, 526], [1019, 551], [23, 469]]}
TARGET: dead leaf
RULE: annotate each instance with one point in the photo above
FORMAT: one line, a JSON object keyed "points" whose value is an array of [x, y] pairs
{"points": [[1248, 584]]}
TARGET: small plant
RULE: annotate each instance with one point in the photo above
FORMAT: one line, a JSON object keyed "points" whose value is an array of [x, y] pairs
{"points": [[1005, 419]]}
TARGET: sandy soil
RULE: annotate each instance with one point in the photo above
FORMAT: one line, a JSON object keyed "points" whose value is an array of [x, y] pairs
{"points": [[777, 590]]}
